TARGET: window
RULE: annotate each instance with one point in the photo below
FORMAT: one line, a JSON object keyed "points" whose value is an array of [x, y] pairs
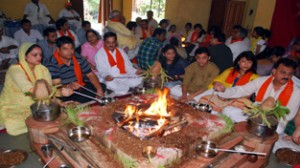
{"points": [[140, 8]]}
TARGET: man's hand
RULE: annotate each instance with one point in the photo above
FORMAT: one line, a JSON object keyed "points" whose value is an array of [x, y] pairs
{"points": [[73, 85], [109, 78], [139, 71], [100, 92], [219, 87], [66, 92], [296, 136]]}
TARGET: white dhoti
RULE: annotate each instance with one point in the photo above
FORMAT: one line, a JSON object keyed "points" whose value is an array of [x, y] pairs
{"points": [[121, 85]]}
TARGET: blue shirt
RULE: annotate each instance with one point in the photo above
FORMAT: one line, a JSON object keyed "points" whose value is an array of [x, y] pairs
{"points": [[177, 68], [47, 50], [66, 73]]}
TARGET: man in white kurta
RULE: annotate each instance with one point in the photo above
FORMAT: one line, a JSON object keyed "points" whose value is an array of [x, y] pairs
{"points": [[281, 79], [27, 34], [71, 15], [112, 75], [37, 13], [8, 47]]}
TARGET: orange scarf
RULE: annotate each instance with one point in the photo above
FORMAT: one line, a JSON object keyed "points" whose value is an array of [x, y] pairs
{"points": [[77, 68], [69, 34], [144, 34], [194, 37], [120, 61], [242, 81], [284, 96], [235, 40]]}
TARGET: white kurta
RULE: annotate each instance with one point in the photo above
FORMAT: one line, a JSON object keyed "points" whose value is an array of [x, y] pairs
{"points": [[246, 40], [35, 15], [238, 47], [23, 37], [70, 13], [254, 86], [152, 25], [5, 42], [118, 85], [76, 42]]}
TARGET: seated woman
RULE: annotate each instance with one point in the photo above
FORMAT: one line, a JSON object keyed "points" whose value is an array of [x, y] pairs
{"points": [[264, 66], [173, 64], [90, 48], [20, 78], [242, 72], [258, 44]]}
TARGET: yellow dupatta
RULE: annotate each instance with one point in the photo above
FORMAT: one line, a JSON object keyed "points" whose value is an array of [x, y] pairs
{"points": [[38, 72], [254, 43]]}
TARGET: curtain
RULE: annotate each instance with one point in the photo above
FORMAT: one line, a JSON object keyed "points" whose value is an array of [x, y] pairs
{"points": [[78, 6], [285, 22]]}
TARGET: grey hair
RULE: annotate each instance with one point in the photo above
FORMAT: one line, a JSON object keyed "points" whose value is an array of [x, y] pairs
{"points": [[114, 14]]}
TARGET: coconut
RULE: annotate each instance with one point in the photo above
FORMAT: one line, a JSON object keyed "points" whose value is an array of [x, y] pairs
{"points": [[268, 104], [41, 89]]}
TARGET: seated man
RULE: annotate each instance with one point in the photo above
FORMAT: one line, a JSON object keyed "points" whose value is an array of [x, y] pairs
{"points": [[126, 38], [37, 13], [70, 69], [27, 34], [48, 45], [71, 16], [81, 32], [63, 29], [8, 49], [197, 77], [149, 49], [279, 85], [144, 31], [112, 64]]}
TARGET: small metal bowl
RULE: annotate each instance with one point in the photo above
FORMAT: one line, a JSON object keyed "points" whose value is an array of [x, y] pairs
{"points": [[204, 108], [106, 100], [79, 133], [202, 149], [149, 151]]}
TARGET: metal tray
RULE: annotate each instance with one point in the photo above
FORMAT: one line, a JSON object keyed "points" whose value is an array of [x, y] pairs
{"points": [[24, 157]]}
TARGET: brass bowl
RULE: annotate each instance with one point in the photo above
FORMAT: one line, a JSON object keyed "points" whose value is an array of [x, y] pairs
{"points": [[203, 150], [79, 133], [149, 151]]}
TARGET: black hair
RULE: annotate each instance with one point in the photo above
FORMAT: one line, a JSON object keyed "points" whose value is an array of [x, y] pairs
{"points": [[220, 36], [92, 31], [32, 47], [250, 57], [286, 62], [189, 24], [202, 50], [278, 51], [158, 31], [23, 21], [237, 27], [174, 41], [145, 20], [202, 32], [49, 30], [64, 40], [60, 22], [109, 34], [163, 21], [85, 23], [172, 26], [267, 34], [163, 60], [131, 25], [243, 32], [259, 31], [214, 29]]}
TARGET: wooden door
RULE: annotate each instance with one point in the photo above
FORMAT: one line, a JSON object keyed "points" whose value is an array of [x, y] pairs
{"points": [[233, 15], [226, 14], [78, 6]]}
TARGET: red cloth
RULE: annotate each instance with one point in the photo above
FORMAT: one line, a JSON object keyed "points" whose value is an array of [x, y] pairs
{"points": [[69, 34], [285, 22], [120, 61], [284, 96]]}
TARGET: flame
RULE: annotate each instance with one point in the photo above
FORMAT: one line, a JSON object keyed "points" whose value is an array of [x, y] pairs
{"points": [[158, 109]]}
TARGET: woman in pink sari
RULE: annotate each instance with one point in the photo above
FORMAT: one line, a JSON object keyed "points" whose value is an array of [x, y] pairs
{"points": [[90, 48]]}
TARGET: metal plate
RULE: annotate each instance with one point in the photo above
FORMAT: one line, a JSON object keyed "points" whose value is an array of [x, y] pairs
{"points": [[10, 155]]}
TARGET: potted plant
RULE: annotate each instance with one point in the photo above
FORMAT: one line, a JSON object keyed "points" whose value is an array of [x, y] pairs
{"points": [[44, 109], [264, 117], [155, 76]]}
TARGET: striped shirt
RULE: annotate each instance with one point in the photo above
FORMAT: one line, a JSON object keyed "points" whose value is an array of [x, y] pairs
{"points": [[148, 52], [66, 73]]}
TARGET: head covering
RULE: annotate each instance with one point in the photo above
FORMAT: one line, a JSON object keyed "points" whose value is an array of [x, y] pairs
{"points": [[38, 72]]}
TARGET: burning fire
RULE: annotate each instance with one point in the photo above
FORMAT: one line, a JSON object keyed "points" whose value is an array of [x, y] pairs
{"points": [[157, 110]]}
